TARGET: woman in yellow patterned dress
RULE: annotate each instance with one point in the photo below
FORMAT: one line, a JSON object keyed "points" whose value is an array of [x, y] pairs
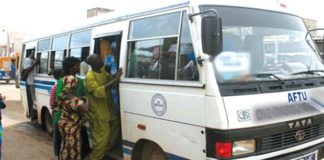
{"points": [[71, 119]]}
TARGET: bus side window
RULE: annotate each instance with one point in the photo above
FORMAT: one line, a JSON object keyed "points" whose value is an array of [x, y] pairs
{"points": [[43, 66], [57, 58], [59, 51], [152, 59], [187, 65], [43, 48], [152, 47], [80, 47], [81, 54]]}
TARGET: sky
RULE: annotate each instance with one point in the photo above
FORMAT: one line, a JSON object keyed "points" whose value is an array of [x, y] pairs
{"points": [[47, 15], [42, 16]]}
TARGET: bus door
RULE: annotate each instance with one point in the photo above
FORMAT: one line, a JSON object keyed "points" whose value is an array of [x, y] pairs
{"points": [[108, 47], [22, 84]]}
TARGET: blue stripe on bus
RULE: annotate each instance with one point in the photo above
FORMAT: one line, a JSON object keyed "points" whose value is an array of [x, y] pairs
{"points": [[175, 157], [127, 151], [128, 143], [39, 82], [131, 145], [48, 88], [45, 82], [38, 86]]}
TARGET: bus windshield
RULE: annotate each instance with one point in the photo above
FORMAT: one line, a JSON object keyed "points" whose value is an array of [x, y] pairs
{"points": [[258, 42]]}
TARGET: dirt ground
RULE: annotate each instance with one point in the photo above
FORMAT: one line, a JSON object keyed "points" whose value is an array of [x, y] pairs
{"points": [[22, 139]]}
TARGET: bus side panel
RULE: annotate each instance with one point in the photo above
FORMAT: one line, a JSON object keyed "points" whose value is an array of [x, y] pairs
{"points": [[178, 140], [216, 116], [43, 88], [173, 116], [181, 104]]}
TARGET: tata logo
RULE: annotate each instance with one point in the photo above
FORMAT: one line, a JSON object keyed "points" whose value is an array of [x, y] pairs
{"points": [[300, 123], [300, 135], [243, 115], [297, 97]]}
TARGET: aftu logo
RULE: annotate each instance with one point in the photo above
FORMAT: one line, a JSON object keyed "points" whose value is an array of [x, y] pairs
{"points": [[297, 97]]}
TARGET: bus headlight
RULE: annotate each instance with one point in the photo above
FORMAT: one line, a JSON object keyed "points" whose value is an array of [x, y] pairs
{"points": [[243, 147]]}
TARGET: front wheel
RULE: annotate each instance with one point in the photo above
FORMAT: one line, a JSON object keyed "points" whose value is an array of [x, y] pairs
{"points": [[152, 151]]}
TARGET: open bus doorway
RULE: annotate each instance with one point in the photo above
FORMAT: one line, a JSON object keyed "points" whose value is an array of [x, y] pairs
{"points": [[108, 48], [28, 99]]}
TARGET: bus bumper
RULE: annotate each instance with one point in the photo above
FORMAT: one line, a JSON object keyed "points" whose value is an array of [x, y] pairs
{"points": [[312, 152]]}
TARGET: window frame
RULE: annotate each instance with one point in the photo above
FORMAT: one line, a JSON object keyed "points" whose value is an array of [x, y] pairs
{"points": [[175, 81], [146, 17], [50, 50], [48, 55], [153, 38], [79, 46], [53, 51]]}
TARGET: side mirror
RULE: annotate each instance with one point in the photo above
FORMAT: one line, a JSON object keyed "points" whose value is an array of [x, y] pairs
{"points": [[211, 32]]}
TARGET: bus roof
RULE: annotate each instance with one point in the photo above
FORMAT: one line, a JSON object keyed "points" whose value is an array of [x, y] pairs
{"points": [[116, 16]]}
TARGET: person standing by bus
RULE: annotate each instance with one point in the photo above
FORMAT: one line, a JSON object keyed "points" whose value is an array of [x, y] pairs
{"points": [[111, 68], [71, 66], [57, 74], [102, 117], [13, 69], [71, 119], [2, 106], [29, 69]]}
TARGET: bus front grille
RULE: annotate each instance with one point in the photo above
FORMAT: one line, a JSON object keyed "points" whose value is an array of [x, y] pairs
{"points": [[291, 138]]}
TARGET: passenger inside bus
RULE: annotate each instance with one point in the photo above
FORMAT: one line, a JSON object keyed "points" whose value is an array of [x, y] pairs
{"points": [[168, 59], [111, 67], [188, 66], [155, 65]]}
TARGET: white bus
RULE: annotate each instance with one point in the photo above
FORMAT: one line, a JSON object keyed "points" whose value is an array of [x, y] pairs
{"points": [[199, 81]]}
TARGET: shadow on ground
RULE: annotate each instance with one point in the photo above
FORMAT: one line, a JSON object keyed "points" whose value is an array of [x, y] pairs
{"points": [[5, 83], [26, 140]]}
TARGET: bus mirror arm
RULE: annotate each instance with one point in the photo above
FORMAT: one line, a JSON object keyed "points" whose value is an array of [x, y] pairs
{"points": [[211, 32], [203, 12], [200, 60]]}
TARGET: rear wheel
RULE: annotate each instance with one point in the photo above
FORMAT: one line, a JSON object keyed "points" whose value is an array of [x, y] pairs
{"points": [[48, 122], [152, 151], [7, 81]]}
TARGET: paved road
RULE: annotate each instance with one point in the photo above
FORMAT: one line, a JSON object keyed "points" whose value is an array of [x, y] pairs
{"points": [[22, 139]]}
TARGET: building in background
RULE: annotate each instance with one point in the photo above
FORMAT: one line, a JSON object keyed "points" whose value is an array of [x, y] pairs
{"points": [[97, 11], [15, 41], [311, 24], [4, 43]]}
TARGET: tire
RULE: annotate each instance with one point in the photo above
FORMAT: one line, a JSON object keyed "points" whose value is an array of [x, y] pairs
{"points": [[48, 122], [7, 81], [152, 151]]}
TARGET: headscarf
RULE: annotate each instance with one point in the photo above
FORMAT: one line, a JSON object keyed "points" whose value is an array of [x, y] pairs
{"points": [[69, 84]]}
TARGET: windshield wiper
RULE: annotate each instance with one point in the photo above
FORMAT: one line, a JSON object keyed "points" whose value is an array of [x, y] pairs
{"points": [[266, 75], [307, 72]]}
